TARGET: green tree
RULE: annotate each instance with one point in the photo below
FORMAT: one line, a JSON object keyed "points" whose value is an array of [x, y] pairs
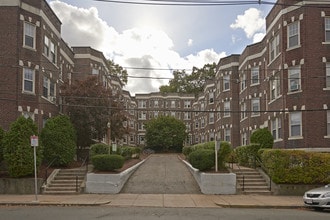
{"points": [[193, 83], [117, 70], [263, 137], [165, 134], [59, 140], [90, 107], [18, 153]]}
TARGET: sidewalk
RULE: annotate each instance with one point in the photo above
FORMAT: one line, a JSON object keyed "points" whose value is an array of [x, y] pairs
{"points": [[157, 200]]}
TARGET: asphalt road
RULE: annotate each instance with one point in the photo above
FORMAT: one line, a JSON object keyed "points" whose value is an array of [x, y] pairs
{"points": [[147, 213], [162, 174]]}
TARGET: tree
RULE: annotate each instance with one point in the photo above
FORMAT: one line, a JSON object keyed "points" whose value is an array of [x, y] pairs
{"points": [[165, 134], [18, 153], [90, 107], [59, 140], [193, 83], [118, 71], [263, 137]]}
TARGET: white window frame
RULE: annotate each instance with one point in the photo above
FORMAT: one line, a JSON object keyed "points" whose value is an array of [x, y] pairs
{"points": [[187, 104], [227, 134], [293, 32], [173, 104], [274, 48], [51, 89], [255, 75], [243, 110], [275, 87], [276, 126], [294, 75], [255, 106], [211, 97], [95, 71], [28, 77], [295, 124], [27, 115], [243, 81], [142, 104], [226, 109], [327, 29], [244, 139], [327, 81], [211, 118], [29, 35], [226, 83], [187, 116], [328, 123]]}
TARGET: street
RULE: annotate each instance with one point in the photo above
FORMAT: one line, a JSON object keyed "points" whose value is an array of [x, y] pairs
{"points": [[143, 213]]}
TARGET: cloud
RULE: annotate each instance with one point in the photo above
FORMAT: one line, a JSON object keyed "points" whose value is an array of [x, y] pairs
{"points": [[251, 22], [190, 42], [135, 48]]}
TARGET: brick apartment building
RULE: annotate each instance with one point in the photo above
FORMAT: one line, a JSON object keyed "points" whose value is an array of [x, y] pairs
{"points": [[281, 83]]}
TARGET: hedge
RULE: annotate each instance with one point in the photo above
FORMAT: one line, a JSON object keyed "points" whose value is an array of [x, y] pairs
{"points": [[202, 159], [297, 167], [108, 162], [99, 148]]}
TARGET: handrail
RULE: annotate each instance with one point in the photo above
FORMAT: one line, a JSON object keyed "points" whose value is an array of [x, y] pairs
{"points": [[85, 162], [256, 159], [239, 171], [49, 165]]}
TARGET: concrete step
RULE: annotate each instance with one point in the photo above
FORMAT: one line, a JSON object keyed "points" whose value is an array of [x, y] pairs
{"points": [[61, 189], [61, 192]]}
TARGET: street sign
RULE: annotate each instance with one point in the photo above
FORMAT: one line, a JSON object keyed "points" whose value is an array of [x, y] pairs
{"points": [[34, 141]]}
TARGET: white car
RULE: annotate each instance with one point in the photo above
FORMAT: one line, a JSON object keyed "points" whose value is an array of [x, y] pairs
{"points": [[318, 198]]}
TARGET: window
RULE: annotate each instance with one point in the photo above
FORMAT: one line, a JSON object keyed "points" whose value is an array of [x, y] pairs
{"points": [[255, 75], [328, 75], [276, 128], [274, 48], [255, 106], [28, 84], [29, 35], [244, 139], [211, 97], [48, 89], [156, 105], [295, 124], [294, 78], [142, 104], [226, 81], [95, 71], [141, 126], [243, 81], [327, 29], [141, 139], [173, 114], [275, 87], [226, 109], [202, 106], [172, 104], [211, 118], [293, 35], [142, 115], [243, 110], [328, 123], [46, 46], [196, 124], [227, 134], [202, 123], [186, 116], [187, 104]]}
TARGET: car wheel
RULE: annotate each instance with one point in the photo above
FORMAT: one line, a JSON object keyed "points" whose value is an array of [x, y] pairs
{"points": [[318, 208]]}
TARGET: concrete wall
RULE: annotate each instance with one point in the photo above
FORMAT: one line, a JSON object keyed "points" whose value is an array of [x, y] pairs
{"points": [[214, 183], [108, 183], [19, 185]]}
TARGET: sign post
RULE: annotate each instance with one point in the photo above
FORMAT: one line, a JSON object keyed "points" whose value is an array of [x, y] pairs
{"points": [[216, 149], [34, 144]]}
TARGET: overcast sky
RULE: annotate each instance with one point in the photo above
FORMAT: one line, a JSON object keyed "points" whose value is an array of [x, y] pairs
{"points": [[160, 38]]}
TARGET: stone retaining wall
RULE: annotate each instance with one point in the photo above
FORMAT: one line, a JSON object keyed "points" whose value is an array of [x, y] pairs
{"points": [[19, 185]]}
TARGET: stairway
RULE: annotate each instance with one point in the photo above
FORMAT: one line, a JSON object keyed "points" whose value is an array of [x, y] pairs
{"points": [[65, 181], [250, 181]]}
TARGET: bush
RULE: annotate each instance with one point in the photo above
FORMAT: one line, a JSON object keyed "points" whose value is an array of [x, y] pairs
{"points": [[130, 152], [18, 153], [297, 167], [108, 162], [186, 150], [59, 140], [224, 154], [99, 148], [263, 137], [247, 155], [202, 159]]}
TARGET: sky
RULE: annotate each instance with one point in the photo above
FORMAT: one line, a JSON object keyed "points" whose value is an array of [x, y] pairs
{"points": [[151, 40]]}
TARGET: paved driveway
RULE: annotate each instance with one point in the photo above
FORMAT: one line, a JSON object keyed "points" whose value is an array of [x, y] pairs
{"points": [[162, 174]]}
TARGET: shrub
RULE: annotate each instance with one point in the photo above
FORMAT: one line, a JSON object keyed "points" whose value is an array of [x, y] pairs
{"points": [[224, 154], [202, 159], [186, 150], [297, 167], [247, 155], [130, 152], [99, 148], [18, 153], [263, 137], [108, 162], [59, 140]]}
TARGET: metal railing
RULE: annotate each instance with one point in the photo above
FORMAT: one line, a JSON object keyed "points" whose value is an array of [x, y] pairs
{"points": [[257, 160], [84, 163], [47, 168]]}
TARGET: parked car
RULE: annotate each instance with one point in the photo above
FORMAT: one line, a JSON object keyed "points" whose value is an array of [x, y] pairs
{"points": [[318, 198]]}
